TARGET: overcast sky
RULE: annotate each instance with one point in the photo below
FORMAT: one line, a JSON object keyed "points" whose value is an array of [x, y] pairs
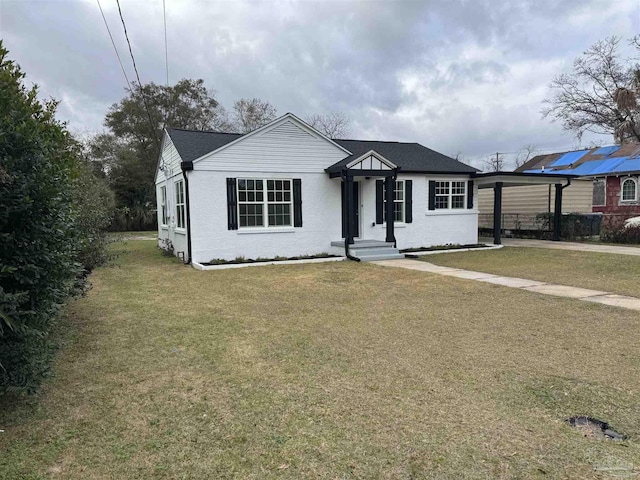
{"points": [[464, 76]]}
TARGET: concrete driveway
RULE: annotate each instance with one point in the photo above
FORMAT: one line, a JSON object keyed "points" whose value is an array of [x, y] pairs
{"points": [[583, 247]]}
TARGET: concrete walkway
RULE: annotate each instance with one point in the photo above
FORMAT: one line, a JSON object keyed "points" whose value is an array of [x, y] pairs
{"points": [[583, 247], [587, 295]]}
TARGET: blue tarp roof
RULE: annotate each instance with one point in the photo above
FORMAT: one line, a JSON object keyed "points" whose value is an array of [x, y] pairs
{"points": [[608, 166], [628, 165], [584, 169], [606, 150], [569, 158]]}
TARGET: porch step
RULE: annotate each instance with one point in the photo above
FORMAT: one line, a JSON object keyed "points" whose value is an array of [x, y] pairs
{"points": [[363, 243], [372, 258], [362, 251], [370, 250]]}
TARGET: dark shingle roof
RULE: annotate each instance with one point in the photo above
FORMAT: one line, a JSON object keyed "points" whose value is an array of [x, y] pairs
{"points": [[410, 157], [192, 144]]}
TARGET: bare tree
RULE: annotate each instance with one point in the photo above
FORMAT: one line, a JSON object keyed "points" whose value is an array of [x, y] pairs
{"points": [[601, 94], [333, 124], [494, 163], [525, 154], [251, 114]]}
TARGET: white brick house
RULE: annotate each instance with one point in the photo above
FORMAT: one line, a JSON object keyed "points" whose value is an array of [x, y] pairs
{"points": [[286, 190]]}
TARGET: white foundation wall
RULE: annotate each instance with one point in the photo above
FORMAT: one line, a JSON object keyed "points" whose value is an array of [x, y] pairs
{"points": [[210, 238], [429, 227]]}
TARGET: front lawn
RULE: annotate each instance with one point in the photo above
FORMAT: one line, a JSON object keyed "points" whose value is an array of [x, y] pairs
{"points": [[598, 271], [334, 370]]}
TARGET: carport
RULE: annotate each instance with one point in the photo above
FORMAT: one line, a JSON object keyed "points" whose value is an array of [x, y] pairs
{"points": [[500, 180]]}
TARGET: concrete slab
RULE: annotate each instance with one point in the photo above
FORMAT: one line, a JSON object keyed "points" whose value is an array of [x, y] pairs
{"points": [[616, 301], [469, 274], [582, 247], [564, 291], [511, 282], [416, 265]]}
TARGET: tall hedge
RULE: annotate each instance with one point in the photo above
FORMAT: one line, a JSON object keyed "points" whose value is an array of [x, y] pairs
{"points": [[39, 237]]}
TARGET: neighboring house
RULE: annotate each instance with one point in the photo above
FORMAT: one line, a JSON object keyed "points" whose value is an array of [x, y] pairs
{"points": [[521, 205], [613, 170], [287, 190]]}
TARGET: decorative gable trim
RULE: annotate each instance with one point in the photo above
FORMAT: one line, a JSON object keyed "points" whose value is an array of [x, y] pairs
{"points": [[371, 160]]}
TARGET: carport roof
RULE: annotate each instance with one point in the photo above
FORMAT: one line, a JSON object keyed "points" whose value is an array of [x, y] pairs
{"points": [[518, 179]]}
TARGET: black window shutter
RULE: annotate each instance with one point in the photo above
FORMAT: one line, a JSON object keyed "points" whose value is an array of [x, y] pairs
{"points": [[379, 201], [408, 201], [297, 202], [232, 204], [470, 194], [432, 194]]}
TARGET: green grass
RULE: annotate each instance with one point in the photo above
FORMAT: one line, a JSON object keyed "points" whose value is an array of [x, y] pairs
{"points": [[153, 234], [598, 271], [335, 370]]}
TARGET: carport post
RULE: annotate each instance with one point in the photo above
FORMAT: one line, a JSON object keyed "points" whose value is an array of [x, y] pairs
{"points": [[557, 213], [497, 213]]}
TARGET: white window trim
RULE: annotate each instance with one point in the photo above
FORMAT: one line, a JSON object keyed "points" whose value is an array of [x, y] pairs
{"points": [[622, 182], [265, 207], [179, 205], [403, 201], [450, 195], [163, 206]]}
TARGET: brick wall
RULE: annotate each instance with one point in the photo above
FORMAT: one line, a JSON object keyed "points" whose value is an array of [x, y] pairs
{"points": [[613, 201]]}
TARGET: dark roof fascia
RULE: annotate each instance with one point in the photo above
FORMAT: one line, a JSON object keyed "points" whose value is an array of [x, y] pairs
{"points": [[432, 172], [337, 173]]}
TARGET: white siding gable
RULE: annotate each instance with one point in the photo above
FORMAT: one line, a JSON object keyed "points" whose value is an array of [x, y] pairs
{"points": [[285, 147], [170, 158]]}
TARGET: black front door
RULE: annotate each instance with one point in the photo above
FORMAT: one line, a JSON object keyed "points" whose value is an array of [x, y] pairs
{"points": [[355, 204]]}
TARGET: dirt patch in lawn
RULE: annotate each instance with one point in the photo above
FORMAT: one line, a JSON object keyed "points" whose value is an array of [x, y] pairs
{"points": [[334, 370]]}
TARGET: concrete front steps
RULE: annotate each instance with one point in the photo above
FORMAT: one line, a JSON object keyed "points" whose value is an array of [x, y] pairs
{"points": [[371, 250]]}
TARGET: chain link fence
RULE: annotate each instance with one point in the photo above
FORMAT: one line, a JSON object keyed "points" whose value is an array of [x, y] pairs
{"points": [[575, 226]]}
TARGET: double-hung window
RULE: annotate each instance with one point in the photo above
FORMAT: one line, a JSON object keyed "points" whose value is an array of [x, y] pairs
{"points": [[163, 204], [398, 202], [180, 210], [264, 203], [450, 194], [629, 190]]}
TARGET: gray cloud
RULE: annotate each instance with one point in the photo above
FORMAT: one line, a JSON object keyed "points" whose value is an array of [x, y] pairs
{"points": [[458, 76]]}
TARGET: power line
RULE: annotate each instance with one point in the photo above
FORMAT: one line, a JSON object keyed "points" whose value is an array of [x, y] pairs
{"points": [[135, 68], [114, 45], [537, 151], [166, 63], [166, 49]]}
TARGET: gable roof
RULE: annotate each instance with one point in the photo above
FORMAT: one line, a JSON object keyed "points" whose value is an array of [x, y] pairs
{"points": [[410, 157], [192, 144], [599, 161]]}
